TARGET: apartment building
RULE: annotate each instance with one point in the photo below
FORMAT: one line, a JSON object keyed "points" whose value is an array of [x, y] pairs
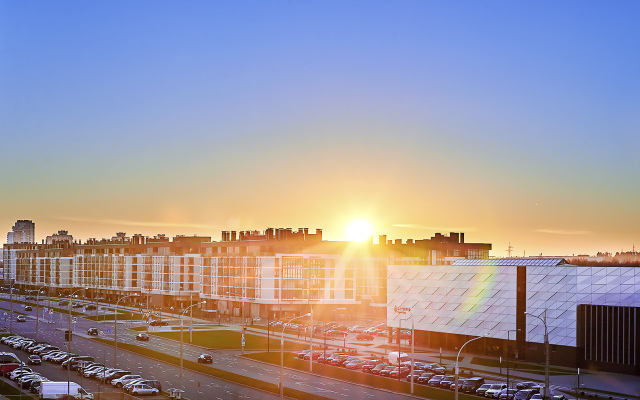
{"points": [[270, 274]]}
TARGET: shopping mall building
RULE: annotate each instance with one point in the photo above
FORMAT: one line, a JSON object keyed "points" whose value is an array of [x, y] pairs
{"points": [[591, 314]]}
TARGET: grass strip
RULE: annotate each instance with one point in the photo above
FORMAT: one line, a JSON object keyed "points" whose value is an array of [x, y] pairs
{"points": [[230, 340], [10, 391], [520, 366], [215, 372]]}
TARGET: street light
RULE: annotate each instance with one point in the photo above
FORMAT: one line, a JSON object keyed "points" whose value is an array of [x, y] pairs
{"points": [[70, 338], [457, 357], [115, 331], [509, 356], [402, 310], [282, 353], [181, 336], [546, 350], [38, 309], [11, 314]]}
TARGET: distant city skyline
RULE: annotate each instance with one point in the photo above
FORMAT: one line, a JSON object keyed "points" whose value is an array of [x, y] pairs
{"points": [[510, 122]]}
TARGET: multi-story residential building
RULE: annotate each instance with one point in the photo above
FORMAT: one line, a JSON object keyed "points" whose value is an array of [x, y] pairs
{"points": [[268, 274], [22, 232]]}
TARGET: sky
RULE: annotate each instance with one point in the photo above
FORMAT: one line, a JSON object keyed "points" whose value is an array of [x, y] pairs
{"points": [[514, 122]]}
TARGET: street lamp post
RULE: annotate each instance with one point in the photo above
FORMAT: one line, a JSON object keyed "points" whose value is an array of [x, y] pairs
{"points": [[11, 313], [282, 353], [402, 310], [115, 328], [457, 372], [181, 336], [70, 339], [546, 350], [509, 355], [38, 309]]}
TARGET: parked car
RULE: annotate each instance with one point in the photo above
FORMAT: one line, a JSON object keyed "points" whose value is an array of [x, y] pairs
{"points": [[124, 379], [470, 385], [364, 336], [424, 378], [150, 382], [507, 394], [495, 390], [526, 385], [142, 336], [483, 389], [436, 368], [205, 359], [141, 388], [34, 360], [537, 396], [435, 380], [524, 394], [447, 381]]}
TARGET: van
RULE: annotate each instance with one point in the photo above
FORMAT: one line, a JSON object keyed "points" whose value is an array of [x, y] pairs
{"points": [[394, 355], [59, 389], [470, 385]]}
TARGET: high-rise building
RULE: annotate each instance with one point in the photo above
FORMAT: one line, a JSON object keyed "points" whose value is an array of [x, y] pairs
{"points": [[24, 231]]}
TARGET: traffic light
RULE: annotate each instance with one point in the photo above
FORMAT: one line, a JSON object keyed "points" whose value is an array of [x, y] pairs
{"points": [[67, 336]]}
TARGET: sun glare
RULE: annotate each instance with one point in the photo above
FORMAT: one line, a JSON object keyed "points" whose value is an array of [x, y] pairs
{"points": [[359, 230]]}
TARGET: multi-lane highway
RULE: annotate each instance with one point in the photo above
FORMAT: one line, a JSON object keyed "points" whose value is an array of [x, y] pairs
{"points": [[196, 385]]}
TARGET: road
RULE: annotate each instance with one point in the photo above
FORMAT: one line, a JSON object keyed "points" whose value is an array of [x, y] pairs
{"points": [[196, 384]]}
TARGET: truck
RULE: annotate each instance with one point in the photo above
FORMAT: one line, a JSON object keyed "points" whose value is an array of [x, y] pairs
{"points": [[62, 390], [393, 358], [8, 362]]}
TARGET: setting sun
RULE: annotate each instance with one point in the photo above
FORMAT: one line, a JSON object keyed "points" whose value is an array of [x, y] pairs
{"points": [[359, 230]]}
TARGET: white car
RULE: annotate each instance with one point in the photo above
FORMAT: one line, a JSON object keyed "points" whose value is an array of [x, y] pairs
{"points": [[494, 390], [123, 380], [141, 388]]}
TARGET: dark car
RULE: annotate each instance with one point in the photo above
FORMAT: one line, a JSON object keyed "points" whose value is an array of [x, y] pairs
{"points": [[158, 322], [447, 381], [507, 394], [376, 370], [435, 380], [526, 385], [34, 360], [424, 378], [369, 365], [364, 336], [483, 389], [205, 359], [470, 385], [524, 394], [28, 308], [92, 331], [436, 368], [90, 307], [142, 336]]}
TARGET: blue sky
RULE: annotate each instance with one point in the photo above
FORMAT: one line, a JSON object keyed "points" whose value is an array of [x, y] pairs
{"points": [[516, 121]]}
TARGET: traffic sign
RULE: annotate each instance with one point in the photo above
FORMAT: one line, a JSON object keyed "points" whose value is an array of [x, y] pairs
{"points": [[243, 340], [191, 329], [108, 330], [74, 320]]}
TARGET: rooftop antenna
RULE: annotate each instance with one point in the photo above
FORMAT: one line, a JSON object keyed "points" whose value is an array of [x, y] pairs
{"points": [[509, 249]]}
